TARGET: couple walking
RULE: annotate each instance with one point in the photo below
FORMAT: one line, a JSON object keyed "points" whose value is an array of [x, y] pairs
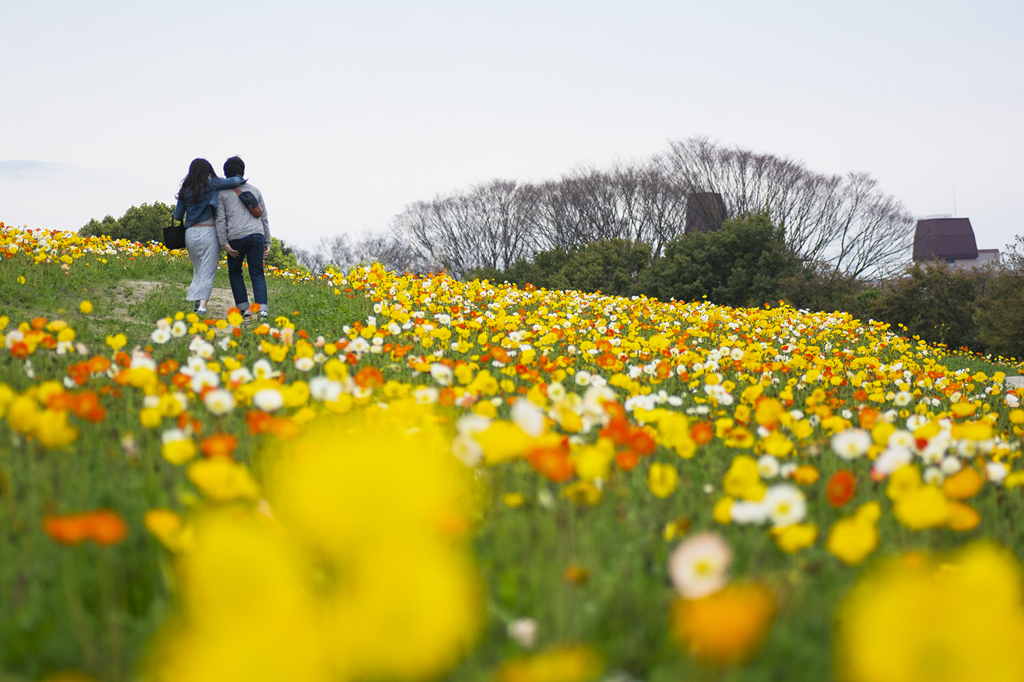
{"points": [[224, 214]]}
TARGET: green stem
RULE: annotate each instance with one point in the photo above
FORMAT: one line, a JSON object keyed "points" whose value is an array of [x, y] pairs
{"points": [[113, 613], [76, 610]]}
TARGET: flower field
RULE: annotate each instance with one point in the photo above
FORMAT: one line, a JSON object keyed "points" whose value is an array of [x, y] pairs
{"points": [[414, 478]]}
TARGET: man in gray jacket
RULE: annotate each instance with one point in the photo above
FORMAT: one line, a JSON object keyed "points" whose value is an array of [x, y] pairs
{"points": [[245, 238]]}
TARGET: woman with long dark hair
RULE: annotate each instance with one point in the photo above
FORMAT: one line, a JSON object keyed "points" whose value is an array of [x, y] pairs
{"points": [[197, 201]]}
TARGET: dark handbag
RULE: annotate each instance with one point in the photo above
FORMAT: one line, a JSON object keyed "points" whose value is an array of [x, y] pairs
{"points": [[174, 235]]}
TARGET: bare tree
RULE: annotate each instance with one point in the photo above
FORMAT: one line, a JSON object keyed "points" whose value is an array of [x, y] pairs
{"points": [[843, 221], [491, 225], [391, 250]]}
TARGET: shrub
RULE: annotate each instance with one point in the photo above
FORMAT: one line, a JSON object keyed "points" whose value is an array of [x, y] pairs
{"points": [[611, 266], [1000, 311], [743, 264], [820, 287], [934, 301]]}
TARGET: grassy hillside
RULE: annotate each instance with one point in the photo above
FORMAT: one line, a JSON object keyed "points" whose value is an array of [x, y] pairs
{"points": [[407, 477]]}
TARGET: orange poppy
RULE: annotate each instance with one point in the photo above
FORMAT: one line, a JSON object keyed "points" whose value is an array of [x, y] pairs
{"points": [[642, 441], [219, 445], [167, 366], [618, 430], [552, 462], [627, 460], [98, 363], [105, 527], [72, 529], [840, 488], [369, 377], [701, 433]]}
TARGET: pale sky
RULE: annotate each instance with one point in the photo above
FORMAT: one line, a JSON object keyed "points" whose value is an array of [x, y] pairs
{"points": [[346, 112]]}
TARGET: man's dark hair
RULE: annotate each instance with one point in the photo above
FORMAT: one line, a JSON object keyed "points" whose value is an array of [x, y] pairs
{"points": [[234, 166]]}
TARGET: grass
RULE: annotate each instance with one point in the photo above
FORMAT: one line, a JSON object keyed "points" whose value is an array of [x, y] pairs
{"points": [[92, 608], [89, 607]]}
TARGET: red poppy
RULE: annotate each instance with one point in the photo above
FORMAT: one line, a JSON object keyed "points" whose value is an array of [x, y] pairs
{"points": [[840, 488]]}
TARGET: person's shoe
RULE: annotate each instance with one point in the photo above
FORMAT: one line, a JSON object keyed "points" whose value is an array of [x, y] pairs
{"points": [[195, 307], [264, 314], [246, 315], [200, 311]]}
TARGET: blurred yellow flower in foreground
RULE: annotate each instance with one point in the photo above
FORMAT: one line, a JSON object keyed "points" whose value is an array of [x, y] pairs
{"points": [[662, 479], [795, 537], [922, 618], [363, 573], [564, 664], [853, 538], [221, 480]]}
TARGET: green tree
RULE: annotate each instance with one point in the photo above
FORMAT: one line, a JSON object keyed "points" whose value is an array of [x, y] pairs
{"points": [[821, 287], [1000, 311], [281, 256], [743, 264], [611, 266], [139, 224], [146, 222], [934, 301], [96, 228]]}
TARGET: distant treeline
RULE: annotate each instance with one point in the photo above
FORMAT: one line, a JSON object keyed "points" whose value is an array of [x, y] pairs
{"points": [[747, 263], [842, 222]]}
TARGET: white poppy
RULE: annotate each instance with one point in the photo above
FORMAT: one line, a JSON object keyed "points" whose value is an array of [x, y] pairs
{"points": [[268, 399], [698, 566], [851, 443], [219, 401]]}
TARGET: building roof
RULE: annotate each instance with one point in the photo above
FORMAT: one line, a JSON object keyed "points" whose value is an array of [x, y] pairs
{"points": [[944, 238]]}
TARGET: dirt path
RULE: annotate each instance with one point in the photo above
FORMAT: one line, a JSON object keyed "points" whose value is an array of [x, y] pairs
{"points": [[132, 291]]}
